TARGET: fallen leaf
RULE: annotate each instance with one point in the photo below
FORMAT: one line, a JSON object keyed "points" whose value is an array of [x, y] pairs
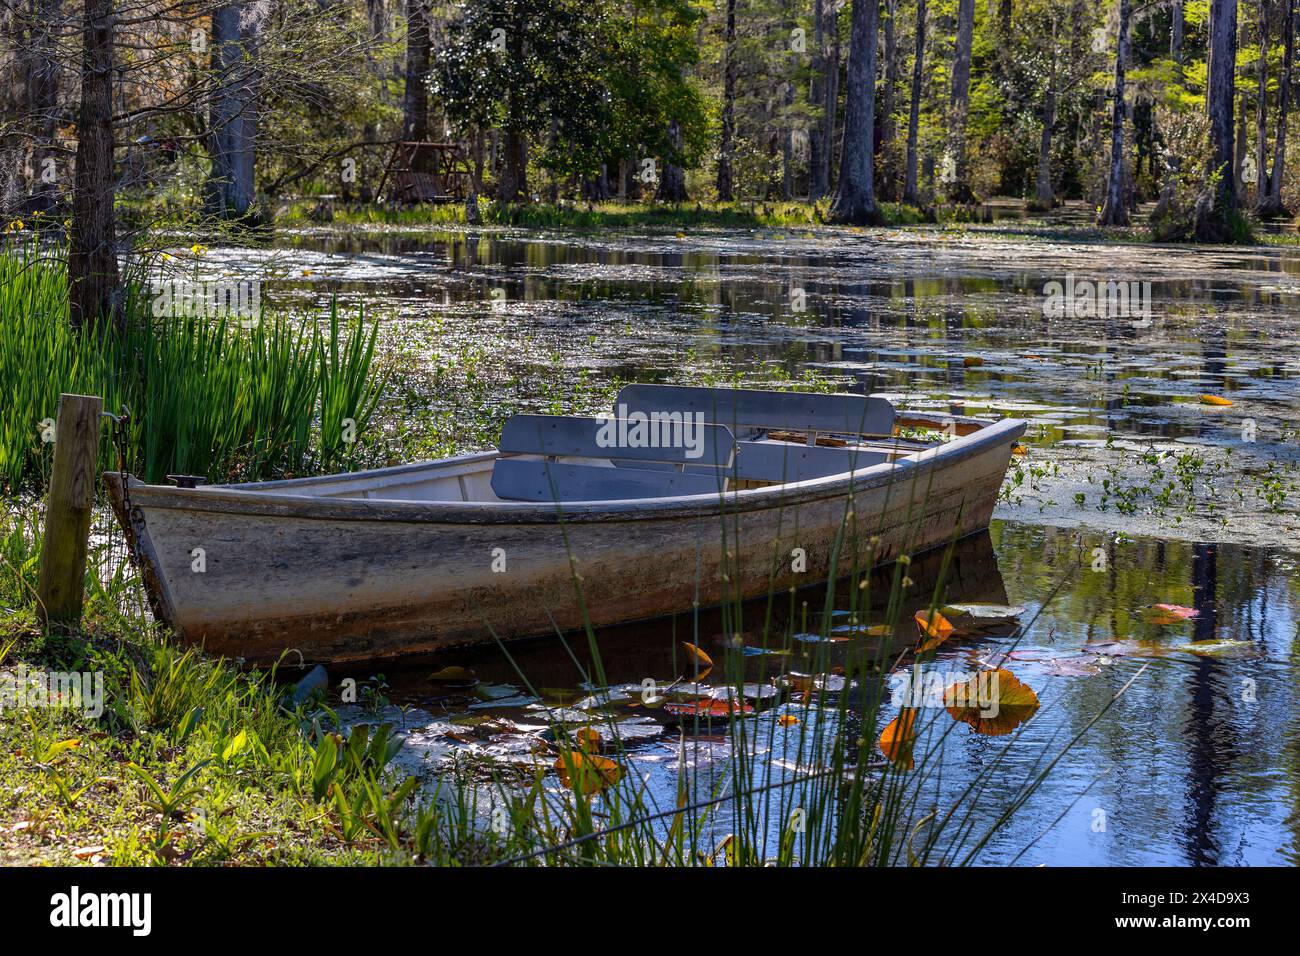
{"points": [[937, 627], [86, 852], [1127, 649], [799, 683], [898, 738], [751, 691], [704, 659], [787, 720], [762, 651], [708, 707], [861, 630], [837, 636], [1019, 450], [703, 662], [993, 703], [587, 772], [589, 740], [1215, 400], [986, 613], [972, 361]]}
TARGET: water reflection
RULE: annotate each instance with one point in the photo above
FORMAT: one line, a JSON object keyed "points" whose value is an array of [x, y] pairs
{"points": [[929, 316], [1194, 765], [1199, 762]]}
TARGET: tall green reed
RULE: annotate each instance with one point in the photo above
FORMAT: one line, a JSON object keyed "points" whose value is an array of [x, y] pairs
{"points": [[207, 396]]}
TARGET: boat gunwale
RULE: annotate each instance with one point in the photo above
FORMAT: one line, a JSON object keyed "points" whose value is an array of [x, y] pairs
{"points": [[244, 500]]}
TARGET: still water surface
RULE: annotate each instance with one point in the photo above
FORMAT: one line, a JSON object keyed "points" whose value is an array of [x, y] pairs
{"points": [[1198, 763]]}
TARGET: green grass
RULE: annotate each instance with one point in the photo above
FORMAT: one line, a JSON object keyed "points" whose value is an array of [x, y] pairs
{"points": [[206, 396]]}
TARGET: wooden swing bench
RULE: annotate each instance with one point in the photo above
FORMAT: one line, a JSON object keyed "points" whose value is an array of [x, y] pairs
{"points": [[420, 172]]}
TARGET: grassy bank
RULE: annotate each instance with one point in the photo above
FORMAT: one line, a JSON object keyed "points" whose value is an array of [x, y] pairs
{"points": [[605, 215], [207, 396]]}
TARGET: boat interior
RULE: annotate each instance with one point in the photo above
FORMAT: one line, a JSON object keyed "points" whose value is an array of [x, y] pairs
{"points": [[661, 441]]}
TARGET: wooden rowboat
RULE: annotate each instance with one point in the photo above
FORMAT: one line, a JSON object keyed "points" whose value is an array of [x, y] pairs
{"points": [[571, 522]]}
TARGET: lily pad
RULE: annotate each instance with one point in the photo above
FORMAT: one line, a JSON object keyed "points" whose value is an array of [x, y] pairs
{"points": [[517, 700], [986, 613], [1220, 649], [1072, 668]]}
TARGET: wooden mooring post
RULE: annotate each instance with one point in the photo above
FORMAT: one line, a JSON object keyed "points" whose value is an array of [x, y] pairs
{"points": [[68, 508]]}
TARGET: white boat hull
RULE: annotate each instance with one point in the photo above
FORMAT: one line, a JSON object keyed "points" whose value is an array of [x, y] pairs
{"points": [[324, 568]]}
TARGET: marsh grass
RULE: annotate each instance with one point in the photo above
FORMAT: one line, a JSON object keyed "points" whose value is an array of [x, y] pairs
{"points": [[207, 396]]}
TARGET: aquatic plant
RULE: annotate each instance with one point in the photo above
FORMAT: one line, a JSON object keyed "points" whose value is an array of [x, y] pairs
{"points": [[206, 396]]}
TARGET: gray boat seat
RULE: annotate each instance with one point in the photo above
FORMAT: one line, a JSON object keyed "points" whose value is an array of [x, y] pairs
{"points": [[560, 458], [747, 411], [754, 414]]}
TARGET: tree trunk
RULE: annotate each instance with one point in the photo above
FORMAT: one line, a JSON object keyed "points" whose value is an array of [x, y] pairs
{"points": [[415, 105], [672, 184], [1006, 81], [959, 104], [1216, 210], [832, 91], [787, 147], [818, 181], [1272, 205], [886, 111], [1114, 212], [232, 115], [40, 62], [855, 194], [513, 181], [911, 192], [725, 186], [1261, 107], [92, 252], [597, 188], [1044, 196]]}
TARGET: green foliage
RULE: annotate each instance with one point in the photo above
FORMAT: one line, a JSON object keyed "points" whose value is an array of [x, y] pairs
{"points": [[206, 396], [588, 86], [532, 68]]}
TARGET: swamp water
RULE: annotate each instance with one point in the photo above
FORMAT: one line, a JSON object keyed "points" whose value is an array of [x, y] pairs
{"points": [[1134, 492]]}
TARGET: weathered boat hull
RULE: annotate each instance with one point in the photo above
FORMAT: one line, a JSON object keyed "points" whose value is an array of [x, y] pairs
{"points": [[255, 575]]}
